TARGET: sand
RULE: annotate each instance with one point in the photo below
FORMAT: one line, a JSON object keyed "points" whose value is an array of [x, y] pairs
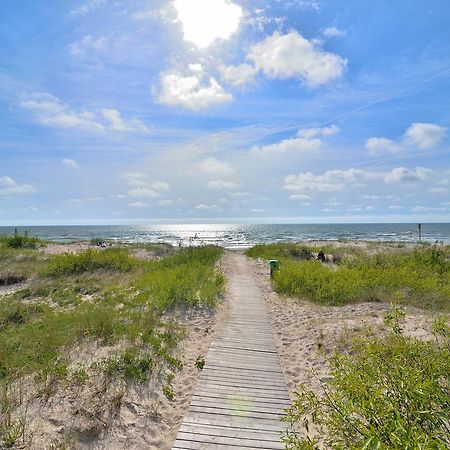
{"points": [[109, 414]]}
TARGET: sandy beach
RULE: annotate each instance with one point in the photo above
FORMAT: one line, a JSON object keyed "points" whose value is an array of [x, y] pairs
{"points": [[109, 413]]}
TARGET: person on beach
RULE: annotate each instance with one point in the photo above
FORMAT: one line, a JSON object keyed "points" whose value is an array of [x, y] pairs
{"points": [[321, 256]]}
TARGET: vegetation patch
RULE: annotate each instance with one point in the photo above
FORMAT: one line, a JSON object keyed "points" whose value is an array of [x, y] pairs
{"points": [[391, 392], [18, 240], [91, 260], [106, 296], [420, 277]]}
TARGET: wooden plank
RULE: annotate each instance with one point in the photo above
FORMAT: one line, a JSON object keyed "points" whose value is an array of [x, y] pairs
{"points": [[273, 415], [250, 393], [191, 445], [234, 421], [241, 394], [258, 400], [228, 440], [237, 404], [215, 430], [230, 376]]}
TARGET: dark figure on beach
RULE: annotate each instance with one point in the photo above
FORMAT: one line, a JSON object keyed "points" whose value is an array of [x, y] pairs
{"points": [[321, 256]]}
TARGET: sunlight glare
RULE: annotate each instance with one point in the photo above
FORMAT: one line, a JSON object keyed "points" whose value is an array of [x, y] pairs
{"points": [[204, 21]]}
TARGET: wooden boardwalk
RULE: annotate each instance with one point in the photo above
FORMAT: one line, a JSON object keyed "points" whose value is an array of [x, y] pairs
{"points": [[241, 393]]}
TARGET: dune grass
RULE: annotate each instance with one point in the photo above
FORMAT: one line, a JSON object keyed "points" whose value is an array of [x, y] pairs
{"points": [[390, 392], [18, 240], [105, 295], [420, 277]]}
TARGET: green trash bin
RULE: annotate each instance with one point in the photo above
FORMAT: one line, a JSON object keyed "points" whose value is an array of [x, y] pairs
{"points": [[274, 265]]}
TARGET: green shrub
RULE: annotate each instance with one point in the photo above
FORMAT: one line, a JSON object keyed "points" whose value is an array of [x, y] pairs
{"points": [[115, 260], [23, 241], [386, 393]]}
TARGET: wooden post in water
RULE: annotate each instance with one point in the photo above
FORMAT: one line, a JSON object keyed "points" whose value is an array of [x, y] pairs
{"points": [[419, 226]]}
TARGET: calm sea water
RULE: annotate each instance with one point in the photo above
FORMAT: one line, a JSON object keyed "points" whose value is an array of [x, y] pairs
{"points": [[240, 236]]}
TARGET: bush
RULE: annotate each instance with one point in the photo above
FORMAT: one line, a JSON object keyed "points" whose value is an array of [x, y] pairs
{"points": [[386, 393], [23, 241]]}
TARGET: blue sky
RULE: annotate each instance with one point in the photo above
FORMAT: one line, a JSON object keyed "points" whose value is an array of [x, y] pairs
{"points": [[138, 111]]}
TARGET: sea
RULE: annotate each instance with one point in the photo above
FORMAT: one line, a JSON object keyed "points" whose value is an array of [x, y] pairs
{"points": [[240, 235]]}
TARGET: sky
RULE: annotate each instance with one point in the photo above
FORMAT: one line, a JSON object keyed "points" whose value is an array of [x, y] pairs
{"points": [[253, 111]]}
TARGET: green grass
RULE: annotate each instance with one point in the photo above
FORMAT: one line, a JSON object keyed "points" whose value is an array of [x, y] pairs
{"points": [[33, 334], [107, 296], [114, 259], [103, 295], [18, 240], [391, 392], [421, 277], [280, 251]]}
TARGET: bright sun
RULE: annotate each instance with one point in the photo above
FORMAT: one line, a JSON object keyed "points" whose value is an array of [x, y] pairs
{"points": [[204, 21]]}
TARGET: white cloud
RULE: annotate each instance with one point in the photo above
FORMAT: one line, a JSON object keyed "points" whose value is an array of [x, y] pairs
{"points": [[296, 145], [220, 184], [302, 197], [333, 32], [382, 145], [51, 111], [213, 166], [332, 180], [306, 140], [241, 194], [88, 44], [71, 163], [310, 133], [143, 192], [291, 55], [143, 186], [438, 191], [195, 67], [119, 124], [87, 7], [420, 135], [136, 178], [165, 202], [160, 185], [9, 186], [138, 205], [403, 175], [204, 207], [177, 90], [238, 75], [424, 135], [204, 21], [308, 183]]}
